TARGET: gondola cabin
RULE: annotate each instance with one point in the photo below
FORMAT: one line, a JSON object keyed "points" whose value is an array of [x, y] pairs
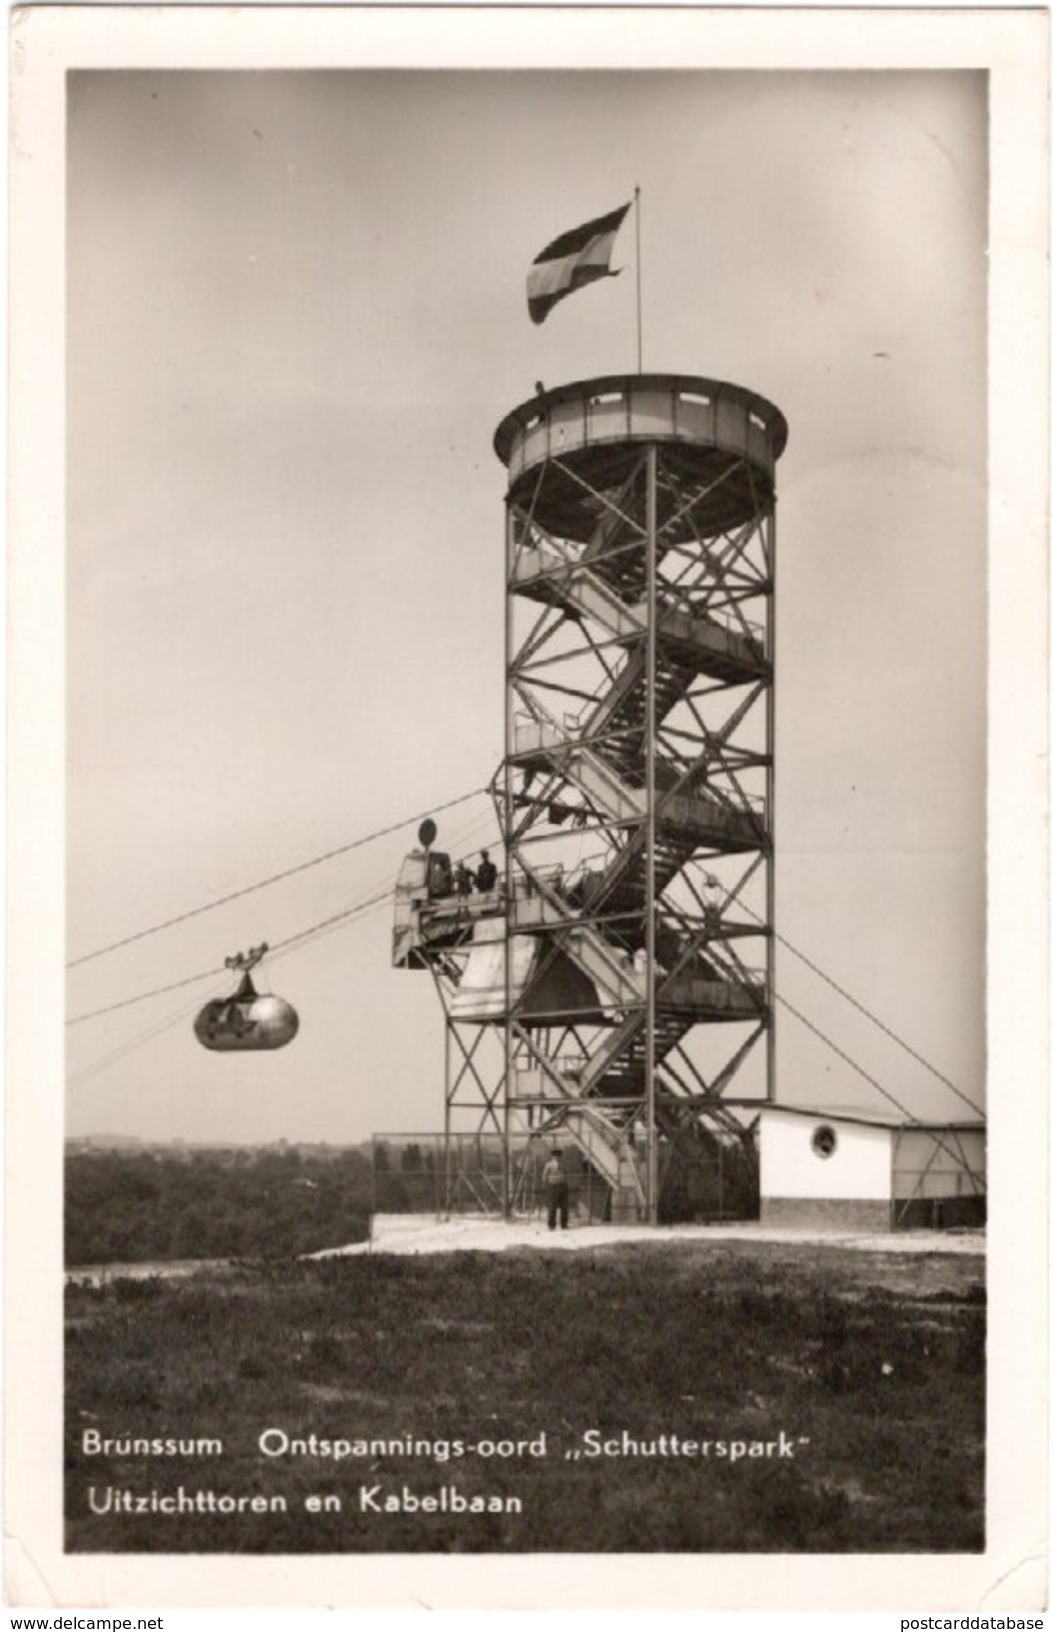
{"points": [[248, 1020]]}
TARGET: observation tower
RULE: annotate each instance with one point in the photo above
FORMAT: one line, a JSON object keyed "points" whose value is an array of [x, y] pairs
{"points": [[613, 992]]}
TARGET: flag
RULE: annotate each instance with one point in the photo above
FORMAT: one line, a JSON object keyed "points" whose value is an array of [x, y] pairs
{"points": [[575, 258]]}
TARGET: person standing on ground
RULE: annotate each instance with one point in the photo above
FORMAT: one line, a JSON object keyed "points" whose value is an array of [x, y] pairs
{"points": [[557, 1194]]}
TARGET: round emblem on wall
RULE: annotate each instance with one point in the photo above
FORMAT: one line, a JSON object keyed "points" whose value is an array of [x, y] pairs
{"points": [[824, 1140]]}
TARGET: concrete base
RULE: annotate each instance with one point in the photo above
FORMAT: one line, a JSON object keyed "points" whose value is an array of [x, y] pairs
{"points": [[804, 1212], [417, 1233]]}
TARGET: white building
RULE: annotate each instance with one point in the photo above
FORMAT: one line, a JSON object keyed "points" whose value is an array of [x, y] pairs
{"points": [[851, 1170]]}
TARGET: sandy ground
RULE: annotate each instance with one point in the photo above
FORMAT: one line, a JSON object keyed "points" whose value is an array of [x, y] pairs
{"points": [[418, 1233], [423, 1233]]}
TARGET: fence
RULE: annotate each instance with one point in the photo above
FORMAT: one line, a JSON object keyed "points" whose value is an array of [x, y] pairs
{"points": [[420, 1173]]}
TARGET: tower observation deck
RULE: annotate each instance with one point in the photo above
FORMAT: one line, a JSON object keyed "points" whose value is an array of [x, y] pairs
{"points": [[618, 979]]}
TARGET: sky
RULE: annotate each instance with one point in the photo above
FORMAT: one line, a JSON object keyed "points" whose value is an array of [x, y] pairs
{"points": [[296, 314]]}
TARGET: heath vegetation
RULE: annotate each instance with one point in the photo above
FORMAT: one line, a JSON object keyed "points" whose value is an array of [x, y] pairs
{"points": [[873, 1363]]}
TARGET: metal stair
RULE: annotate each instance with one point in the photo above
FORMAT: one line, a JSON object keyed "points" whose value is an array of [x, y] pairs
{"points": [[545, 575], [711, 647], [607, 1148]]}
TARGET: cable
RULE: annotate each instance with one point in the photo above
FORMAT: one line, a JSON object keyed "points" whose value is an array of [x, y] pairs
{"points": [[158, 991], [274, 878], [279, 949], [326, 925], [320, 931], [129, 1046], [856, 1004], [155, 1030], [469, 830], [212, 974], [329, 923], [912, 1121]]}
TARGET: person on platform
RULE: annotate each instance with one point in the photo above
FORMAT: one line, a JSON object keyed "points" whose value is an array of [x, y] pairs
{"points": [[462, 878], [557, 1192], [485, 873], [712, 899]]}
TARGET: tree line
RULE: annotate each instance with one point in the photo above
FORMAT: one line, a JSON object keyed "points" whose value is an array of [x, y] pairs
{"points": [[158, 1206]]}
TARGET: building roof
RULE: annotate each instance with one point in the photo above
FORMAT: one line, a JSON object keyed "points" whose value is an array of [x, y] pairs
{"points": [[869, 1119]]}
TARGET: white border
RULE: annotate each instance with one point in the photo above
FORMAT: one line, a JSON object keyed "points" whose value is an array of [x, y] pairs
{"points": [[1012, 46]]}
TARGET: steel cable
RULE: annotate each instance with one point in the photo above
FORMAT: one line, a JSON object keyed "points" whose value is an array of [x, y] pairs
{"points": [[873, 1018], [275, 878], [212, 974]]}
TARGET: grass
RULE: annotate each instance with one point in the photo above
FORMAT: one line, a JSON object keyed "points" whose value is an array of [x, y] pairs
{"points": [[877, 1362]]}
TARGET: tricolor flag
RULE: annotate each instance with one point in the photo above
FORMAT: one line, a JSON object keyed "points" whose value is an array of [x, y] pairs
{"points": [[575, 258]]}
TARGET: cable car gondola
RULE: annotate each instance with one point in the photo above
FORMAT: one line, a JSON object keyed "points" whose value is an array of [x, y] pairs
{"points": [[247, 1020]]}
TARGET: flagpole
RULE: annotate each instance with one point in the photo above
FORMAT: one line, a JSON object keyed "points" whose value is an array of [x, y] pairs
{"points": [[639, 305]]}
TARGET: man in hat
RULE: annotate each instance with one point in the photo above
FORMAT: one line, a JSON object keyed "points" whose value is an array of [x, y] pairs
{"points": [[557, 1194], [485, 873]]}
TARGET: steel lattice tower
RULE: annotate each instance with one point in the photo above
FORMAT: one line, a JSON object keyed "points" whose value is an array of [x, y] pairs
{"points": [[633, 931]]}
